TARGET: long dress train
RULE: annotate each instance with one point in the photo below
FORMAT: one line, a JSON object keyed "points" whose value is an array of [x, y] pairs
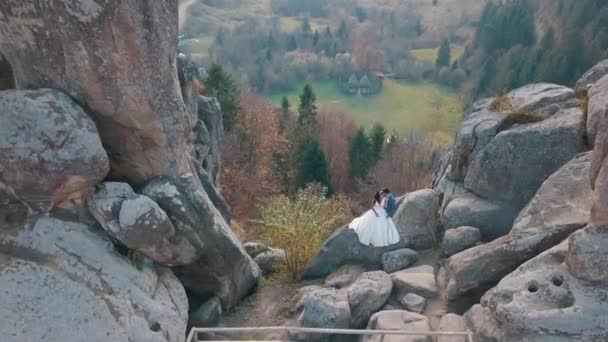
{"points": [[377, 231]]}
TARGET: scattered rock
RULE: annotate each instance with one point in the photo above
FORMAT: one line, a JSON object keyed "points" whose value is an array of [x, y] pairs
{"points": [[300, 297], [560, 207], [542, 301], [367, 295], [417, 219], [50, 151], [588, 254], [344, 248], [222, 267], [207, 315], [254, 248], [419, 280], [398, 320], [326, 308], [270, 260], [413, 302], [344, 276], [493, 219], [53, 266], [397, 260], [596, 107], [459, 239], [452, 323], [593, 75]]}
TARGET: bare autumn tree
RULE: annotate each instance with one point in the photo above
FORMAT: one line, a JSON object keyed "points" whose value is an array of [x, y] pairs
{"points": [[335, 129], [249, 174]]}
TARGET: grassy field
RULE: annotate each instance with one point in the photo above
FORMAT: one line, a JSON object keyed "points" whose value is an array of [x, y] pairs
{"points": [[430, 55], [403, 107]]}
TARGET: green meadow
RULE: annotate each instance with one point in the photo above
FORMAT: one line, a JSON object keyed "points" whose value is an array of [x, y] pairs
{"points": [[430, 55]]}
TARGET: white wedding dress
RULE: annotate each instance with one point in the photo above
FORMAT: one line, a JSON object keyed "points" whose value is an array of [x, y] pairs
{"points": [[377, 231]]}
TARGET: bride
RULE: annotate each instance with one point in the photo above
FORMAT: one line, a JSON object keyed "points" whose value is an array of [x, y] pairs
{"points": [[375, 227]]}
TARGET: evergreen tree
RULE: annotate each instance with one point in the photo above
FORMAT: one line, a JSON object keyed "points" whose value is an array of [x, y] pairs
{"points": [[343, 30], [328, 34], [360, 153], [219, 84], [306, 28], [313, 166], [444, 55], [284, 114], [219, 37], [315, 38], [377, 138], [292, 43], [307, 120]]}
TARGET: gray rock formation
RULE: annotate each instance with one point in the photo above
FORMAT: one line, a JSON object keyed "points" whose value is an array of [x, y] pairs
{"points": [[115, 73], [254, 248], [398, 320], [417, 219], [542, 301], [344, 276], [419, 280], [64, 281], [270, 260], [588, 254], [397, 260], [50, 151], [453, 323], [222, 267], [210, 113], [367, 295], [459, 239], [593, 75], [560, 207], [326, 308], [597, 106], [343, 248], [207, 315], [413, 302]]}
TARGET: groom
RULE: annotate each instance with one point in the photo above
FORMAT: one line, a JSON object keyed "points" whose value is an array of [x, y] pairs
{"points": [[391, 202]]}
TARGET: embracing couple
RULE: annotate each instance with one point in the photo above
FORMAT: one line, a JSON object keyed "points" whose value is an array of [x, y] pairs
{"points": [[376, 227]]}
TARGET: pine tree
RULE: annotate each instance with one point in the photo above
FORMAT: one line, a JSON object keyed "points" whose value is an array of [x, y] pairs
{"points": [[284, 114], [315, 38], [219, 84], [377, 138], [306, 28], [313, 166], [444, 55], [307, 120], [292, 43], [360, 153]]}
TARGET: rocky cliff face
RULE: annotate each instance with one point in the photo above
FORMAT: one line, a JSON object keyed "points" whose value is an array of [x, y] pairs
{"points": [[109, 177]]}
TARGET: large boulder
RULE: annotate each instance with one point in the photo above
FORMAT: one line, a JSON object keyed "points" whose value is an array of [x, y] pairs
{"points": [[413, 302], [118, 60], [367, 295], [417, 219], [343, 248], [459, 239], [326, 308], [419, 280], [344, 276], [515, 163], [140, 224], [596, 107], [493, 219], [560, 207], [270, 260], [398, 320], [210, 113], [222, 266], [50, 151], [452, 323], [593, 75], [65, 282], [542, 301], [588, 254], [206, 315], [397, 260]]}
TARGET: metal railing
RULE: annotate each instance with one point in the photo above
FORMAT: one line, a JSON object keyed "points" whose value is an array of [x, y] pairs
{"points": [[194, 332]]}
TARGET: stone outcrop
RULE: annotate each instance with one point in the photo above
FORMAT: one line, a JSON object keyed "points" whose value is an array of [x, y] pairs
{"points": [[343, 248], [326, 308], [207, 315], [560, 207], [542, 301], [115, 73], [597, 105], [344, 276], [419, 280], [459, 239], [588, 254], [452, 323], [270, 260], [398, 320], [367, 295], [592, 75], [50, 152], [397, 260], [413, 302], [64, 281], [417, 219]]}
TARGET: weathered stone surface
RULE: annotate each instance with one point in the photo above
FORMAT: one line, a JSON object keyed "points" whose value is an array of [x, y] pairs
{"points": [[596, 107], [270, 260], [542, 99], [398, 320], [367, 295], [326, 308], [593, 75], [140, 224], [560, 207], [133, 97], [223, 267], [413, 302], [588, 254], [210, 113], [459, 239], [254, 248], [419, 280], [344, 276], [542, 301], [64, 281], [300, 297], [452, 323], [515, 163], [417, 219], [187, 74], [344, 248], [493, 219], [207, 315], [50, 151], [214, 193], [6, 74], [397, 260]]}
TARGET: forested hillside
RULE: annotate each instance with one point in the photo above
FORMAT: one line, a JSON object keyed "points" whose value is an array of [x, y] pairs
{"points": [[523, 41]]}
